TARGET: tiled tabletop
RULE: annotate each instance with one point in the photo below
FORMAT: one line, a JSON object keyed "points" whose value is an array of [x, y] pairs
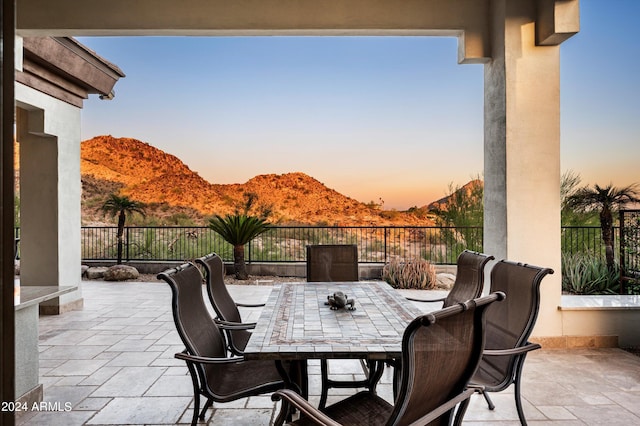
{"points": [[296, 324]]}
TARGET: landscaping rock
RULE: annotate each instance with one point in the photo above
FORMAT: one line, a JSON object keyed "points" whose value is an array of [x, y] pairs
{"points": [[120, 273], [96, 272], [445, 281], [83, 270]]}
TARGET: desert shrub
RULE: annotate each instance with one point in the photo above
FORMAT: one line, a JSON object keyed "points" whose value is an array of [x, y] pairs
{"points": [[389, 214], [414, 273], [180, 219], [586, 274]]}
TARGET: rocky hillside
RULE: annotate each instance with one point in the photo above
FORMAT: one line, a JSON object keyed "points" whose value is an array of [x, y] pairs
{"points": [[475, 186], [172, 190]]}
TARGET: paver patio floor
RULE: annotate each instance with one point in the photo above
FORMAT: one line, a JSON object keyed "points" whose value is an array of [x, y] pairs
{"points": [[113, 364]]}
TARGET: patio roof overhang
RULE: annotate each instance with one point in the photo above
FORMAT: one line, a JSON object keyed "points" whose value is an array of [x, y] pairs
{"points": [[65, 69], [522, 129], [469, 20]]}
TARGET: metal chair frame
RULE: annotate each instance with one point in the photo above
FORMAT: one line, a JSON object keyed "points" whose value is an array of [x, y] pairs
{"points": [[503, 359], [237, 331], [440, 353], [206, 350]]}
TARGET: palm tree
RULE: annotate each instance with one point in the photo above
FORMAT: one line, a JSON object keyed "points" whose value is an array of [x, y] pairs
{"points": [[607, 200], [121, 206], [238, 229]]}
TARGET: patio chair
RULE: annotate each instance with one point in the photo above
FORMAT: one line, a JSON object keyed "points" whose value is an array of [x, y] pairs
{"points": [[224, 305], [332, 262], [214, 375], [338, 262], [469, 279], [440, 352], [509, 325], [468, 285]]}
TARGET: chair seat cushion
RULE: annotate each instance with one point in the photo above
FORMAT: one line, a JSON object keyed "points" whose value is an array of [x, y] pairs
{"points": [[231, 380], [363, 408]]}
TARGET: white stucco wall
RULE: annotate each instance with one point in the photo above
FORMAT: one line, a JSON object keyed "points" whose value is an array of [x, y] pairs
{"points": [[50, 116], [522, 153]]}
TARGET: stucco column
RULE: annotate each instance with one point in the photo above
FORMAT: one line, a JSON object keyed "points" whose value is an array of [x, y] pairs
{"points": [[48, 131], [522, 151]]}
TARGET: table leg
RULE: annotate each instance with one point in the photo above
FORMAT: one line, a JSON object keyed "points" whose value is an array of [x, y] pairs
{"points": [[376, 368], [297, 377]]}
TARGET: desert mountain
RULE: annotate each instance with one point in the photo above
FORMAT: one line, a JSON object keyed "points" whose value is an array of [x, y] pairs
{"points": [[475, 186], [170, 188]]}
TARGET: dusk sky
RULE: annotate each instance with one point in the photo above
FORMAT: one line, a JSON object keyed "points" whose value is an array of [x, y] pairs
{"points": [[391, 118]]}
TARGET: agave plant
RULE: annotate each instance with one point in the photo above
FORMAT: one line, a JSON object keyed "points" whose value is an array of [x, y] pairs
{"points": [[238, 229], [414, 273], [586, 274]]}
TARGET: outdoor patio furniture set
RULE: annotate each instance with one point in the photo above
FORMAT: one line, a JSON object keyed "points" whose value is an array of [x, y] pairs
{"points": [[473, 344]]}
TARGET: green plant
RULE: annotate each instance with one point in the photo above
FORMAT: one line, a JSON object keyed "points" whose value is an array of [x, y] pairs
{"points": [[121, 206], [462, 209], [414, 273], [180, 219], [606, 200], [569, 184], [587, 274], [16, 211], [238, 230]]}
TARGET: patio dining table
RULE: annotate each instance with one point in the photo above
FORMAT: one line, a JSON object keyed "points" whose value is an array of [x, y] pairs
{"points": [[296, 324]]}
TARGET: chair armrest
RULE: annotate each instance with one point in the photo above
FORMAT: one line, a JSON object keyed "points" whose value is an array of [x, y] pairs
{"points": [[513, 351], [206, 360], [446, 406], [475, 387], [235, 350], [306, 409], [413, 299], [250, 305], [228, 325]]}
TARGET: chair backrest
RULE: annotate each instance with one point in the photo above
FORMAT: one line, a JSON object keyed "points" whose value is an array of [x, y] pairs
{"points": [[510, 324], [332, 263], [222, 302], [440, 353], [198, 331], [469, 277]]}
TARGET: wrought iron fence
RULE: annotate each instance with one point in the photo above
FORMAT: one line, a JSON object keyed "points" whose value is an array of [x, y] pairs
{"points": [[376, 244], [283, 243], [630, 248], [587, 239], [287, 243]]}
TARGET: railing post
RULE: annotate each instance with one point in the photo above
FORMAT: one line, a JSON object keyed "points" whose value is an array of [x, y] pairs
{"points": [[126, 242], [386, 258], [574, 239]]}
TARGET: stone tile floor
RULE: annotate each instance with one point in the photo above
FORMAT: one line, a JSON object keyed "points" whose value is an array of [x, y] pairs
{"points": [[113, 364]]}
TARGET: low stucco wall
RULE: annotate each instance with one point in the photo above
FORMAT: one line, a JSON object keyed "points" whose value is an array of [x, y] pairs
{"points": [[292, 269], [592, 321]]}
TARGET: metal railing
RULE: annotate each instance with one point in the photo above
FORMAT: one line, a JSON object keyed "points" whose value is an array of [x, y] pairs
{"points": [[630, 247], [376, 244], [283, 243], [588, 240]]}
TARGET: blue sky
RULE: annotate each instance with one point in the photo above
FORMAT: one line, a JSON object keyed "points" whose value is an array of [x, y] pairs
{"points": [[391, 118]]}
